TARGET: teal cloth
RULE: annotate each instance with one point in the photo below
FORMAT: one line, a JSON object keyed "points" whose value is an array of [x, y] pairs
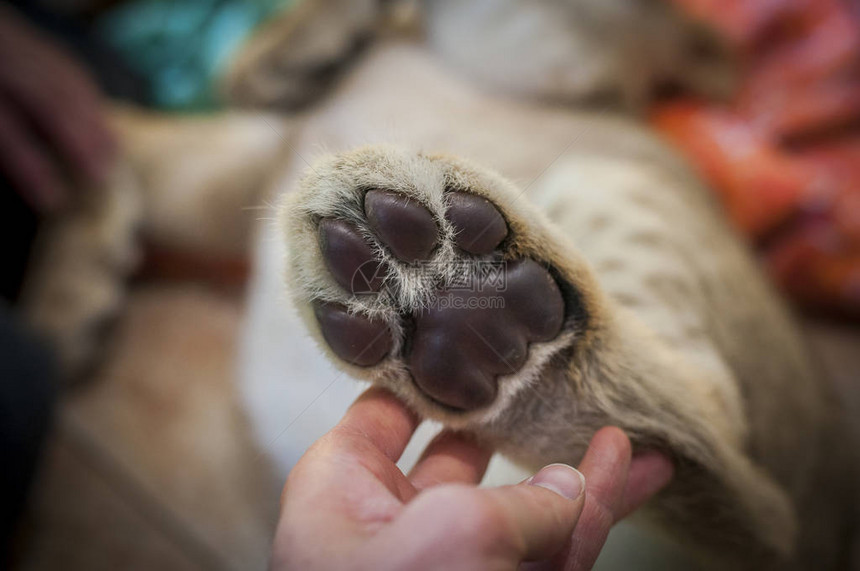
{"points": [[181, 47]]}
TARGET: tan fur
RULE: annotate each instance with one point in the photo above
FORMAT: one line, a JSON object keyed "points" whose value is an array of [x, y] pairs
{"points": [[200, 176], [292, 60], [685, 345], [680, 340], [193, 184], [738, 488], [615, 52], [75, 282], [569, 51], [182, 181]]}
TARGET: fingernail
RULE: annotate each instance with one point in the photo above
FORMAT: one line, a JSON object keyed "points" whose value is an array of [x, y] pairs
{"points": [[561, 479]]}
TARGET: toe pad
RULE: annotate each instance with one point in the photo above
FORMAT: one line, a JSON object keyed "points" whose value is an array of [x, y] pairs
{"points": [[402, 224], [354, 338], [349, 258], [478, 225]]}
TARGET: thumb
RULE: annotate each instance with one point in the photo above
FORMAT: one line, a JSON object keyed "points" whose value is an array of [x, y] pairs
{"points": [[461, 527], [542, 511]]}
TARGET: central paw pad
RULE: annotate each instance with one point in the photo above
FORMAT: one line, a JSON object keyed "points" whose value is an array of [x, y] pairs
{"points": [[457, 346], [466, 339]]}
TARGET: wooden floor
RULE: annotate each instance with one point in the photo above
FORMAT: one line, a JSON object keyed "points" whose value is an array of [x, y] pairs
{"points": [[151, 465]]}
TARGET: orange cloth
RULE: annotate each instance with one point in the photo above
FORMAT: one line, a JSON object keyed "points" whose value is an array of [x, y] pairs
{"points": [[784, 155]]}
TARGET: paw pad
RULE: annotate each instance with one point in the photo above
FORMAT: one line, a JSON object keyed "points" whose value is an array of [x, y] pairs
{"points": [[478, 226], [403, 225], [458, 346], [354, 338]]}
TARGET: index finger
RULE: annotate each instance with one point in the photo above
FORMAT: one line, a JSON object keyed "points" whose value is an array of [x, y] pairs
{"points": [[381, 418], [606, 467], [27, 165], [371, 436], [450, 457]]}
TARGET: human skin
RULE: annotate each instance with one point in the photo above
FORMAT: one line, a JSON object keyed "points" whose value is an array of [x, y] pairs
{"points": [[346, 504], [53, 133]]}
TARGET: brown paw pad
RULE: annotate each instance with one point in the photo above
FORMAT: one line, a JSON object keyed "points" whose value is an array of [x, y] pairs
{"points": [[349, 258], [478, 226], [354, 338], [466, 339], [469, 336], [402, 224]]}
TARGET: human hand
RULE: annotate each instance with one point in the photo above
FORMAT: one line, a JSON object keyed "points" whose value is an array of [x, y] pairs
{"points": [[51, 121], [346, 505]]}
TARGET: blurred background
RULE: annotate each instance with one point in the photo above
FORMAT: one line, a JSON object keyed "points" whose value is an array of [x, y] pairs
{"points": [[143, 458]]}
